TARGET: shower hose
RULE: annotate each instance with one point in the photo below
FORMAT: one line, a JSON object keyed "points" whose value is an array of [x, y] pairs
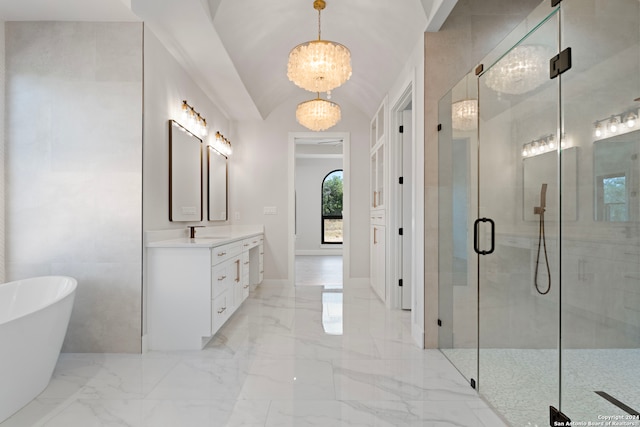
{"points": [[542, 242]]}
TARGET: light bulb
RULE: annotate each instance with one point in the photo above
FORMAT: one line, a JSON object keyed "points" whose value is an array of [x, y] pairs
{"points": [[630, 121], [598, 130], [613, 124], [535, 148], [525, 150], [551, 142]]}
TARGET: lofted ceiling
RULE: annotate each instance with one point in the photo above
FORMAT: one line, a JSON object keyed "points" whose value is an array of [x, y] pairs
{"points": [[236, 50]]}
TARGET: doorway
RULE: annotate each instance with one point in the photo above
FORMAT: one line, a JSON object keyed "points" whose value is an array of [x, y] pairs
{"points": [[318, 182]]}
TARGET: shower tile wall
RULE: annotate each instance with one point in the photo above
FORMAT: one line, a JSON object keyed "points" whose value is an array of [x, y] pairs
{"points": [[74, 171]]}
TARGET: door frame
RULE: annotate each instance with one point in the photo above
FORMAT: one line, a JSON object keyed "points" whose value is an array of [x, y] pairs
{"points": [[395, 194], [346, 173]]}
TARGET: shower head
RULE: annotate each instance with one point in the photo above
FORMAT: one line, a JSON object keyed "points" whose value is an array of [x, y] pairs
{"points": [[543, 196], [539, 210]]}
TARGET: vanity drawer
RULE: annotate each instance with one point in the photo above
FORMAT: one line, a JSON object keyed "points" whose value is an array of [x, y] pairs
{"points": [[251, 242], [221, 276], [225, 252]]}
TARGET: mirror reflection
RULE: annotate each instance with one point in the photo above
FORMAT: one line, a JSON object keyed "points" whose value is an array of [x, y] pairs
{"points": [[185, 174], [615, 172], [217, 183]]}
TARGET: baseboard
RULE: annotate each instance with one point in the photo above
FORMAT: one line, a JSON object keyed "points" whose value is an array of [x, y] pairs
{"points": [[319, 252], [418, 336], [275, 282]]}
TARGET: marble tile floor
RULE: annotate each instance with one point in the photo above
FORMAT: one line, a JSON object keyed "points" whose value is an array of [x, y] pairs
{"points": [[272, 364], [325, 270]]}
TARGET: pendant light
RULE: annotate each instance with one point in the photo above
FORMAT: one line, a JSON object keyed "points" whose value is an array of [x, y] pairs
{"points": [[319, 65]]}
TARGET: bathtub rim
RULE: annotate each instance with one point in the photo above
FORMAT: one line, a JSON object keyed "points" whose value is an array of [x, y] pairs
{"points": [[70, 283]]}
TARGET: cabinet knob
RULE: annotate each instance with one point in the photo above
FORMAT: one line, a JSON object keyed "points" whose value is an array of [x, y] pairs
{"points": [[222, 253], [221, 278]]}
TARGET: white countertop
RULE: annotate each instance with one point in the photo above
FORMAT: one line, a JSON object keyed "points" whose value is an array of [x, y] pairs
{"points": [[207, 237]]}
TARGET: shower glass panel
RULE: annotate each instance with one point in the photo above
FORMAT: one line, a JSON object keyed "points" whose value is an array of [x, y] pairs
{"points": [[600, 344], [458, 290], [518, 256]]}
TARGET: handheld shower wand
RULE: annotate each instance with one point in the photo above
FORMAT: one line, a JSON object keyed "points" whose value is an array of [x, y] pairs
{"points": [[539, 210]]}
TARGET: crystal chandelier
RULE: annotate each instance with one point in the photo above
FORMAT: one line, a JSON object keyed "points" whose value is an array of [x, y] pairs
{"points": [[464, 114], [319, 65], [318, 114], [520, 71]]}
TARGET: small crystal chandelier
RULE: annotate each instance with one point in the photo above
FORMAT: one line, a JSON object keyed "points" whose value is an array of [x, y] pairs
{"points": [[464, 114], [318, 114], [520, 71], [319, 65]]}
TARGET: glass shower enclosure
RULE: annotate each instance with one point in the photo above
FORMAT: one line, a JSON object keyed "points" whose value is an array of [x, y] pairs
{"points": [[539, 199]]}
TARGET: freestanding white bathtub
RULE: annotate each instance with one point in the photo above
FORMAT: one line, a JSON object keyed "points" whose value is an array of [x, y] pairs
{"points": [[34, 315]]}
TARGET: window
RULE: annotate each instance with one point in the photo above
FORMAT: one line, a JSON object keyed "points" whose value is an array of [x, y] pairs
{"points": [[612, 198], [332, 207]]}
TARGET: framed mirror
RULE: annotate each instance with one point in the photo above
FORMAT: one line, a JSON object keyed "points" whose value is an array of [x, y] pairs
{"points": [[185, 174], [217, 183], [616, 178]]}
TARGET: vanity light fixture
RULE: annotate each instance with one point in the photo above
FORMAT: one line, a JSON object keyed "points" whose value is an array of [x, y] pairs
{"points": [[193, 121], [319, 65], [616, 124], [222, 145], [542, 145]]}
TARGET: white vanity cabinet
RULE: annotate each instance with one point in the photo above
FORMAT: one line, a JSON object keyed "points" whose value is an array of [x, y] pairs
{"points": [[194, 286], [226, 276]]}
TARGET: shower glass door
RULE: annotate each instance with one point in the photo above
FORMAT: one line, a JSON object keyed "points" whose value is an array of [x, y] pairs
{"points": [[458, 287], [517, 231], [600, 343]]}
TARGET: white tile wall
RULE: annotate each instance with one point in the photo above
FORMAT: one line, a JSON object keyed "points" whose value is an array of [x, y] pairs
{"points": [[74, 171]]}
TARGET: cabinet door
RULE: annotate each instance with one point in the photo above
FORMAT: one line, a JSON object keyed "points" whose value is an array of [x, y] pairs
{"points": [[378, 258], [221, 308]]}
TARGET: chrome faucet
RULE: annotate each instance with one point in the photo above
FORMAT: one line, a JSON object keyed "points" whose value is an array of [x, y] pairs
{"points": [[192, 230]]}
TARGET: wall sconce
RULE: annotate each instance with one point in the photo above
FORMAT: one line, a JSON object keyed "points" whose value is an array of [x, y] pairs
{"points": [[222, 145], [542, 145], [193, 121], [617, 124]]}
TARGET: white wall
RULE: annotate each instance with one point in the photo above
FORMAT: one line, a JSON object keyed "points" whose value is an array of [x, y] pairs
{"points": [[309, 175], [259, 176], [166, 85], [74, 171]]}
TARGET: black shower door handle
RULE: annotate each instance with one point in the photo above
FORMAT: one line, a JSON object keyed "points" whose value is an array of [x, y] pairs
{"points": [[476, 243]]}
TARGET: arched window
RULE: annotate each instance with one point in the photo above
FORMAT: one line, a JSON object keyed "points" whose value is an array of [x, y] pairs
{"points": [[332, 207]]}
